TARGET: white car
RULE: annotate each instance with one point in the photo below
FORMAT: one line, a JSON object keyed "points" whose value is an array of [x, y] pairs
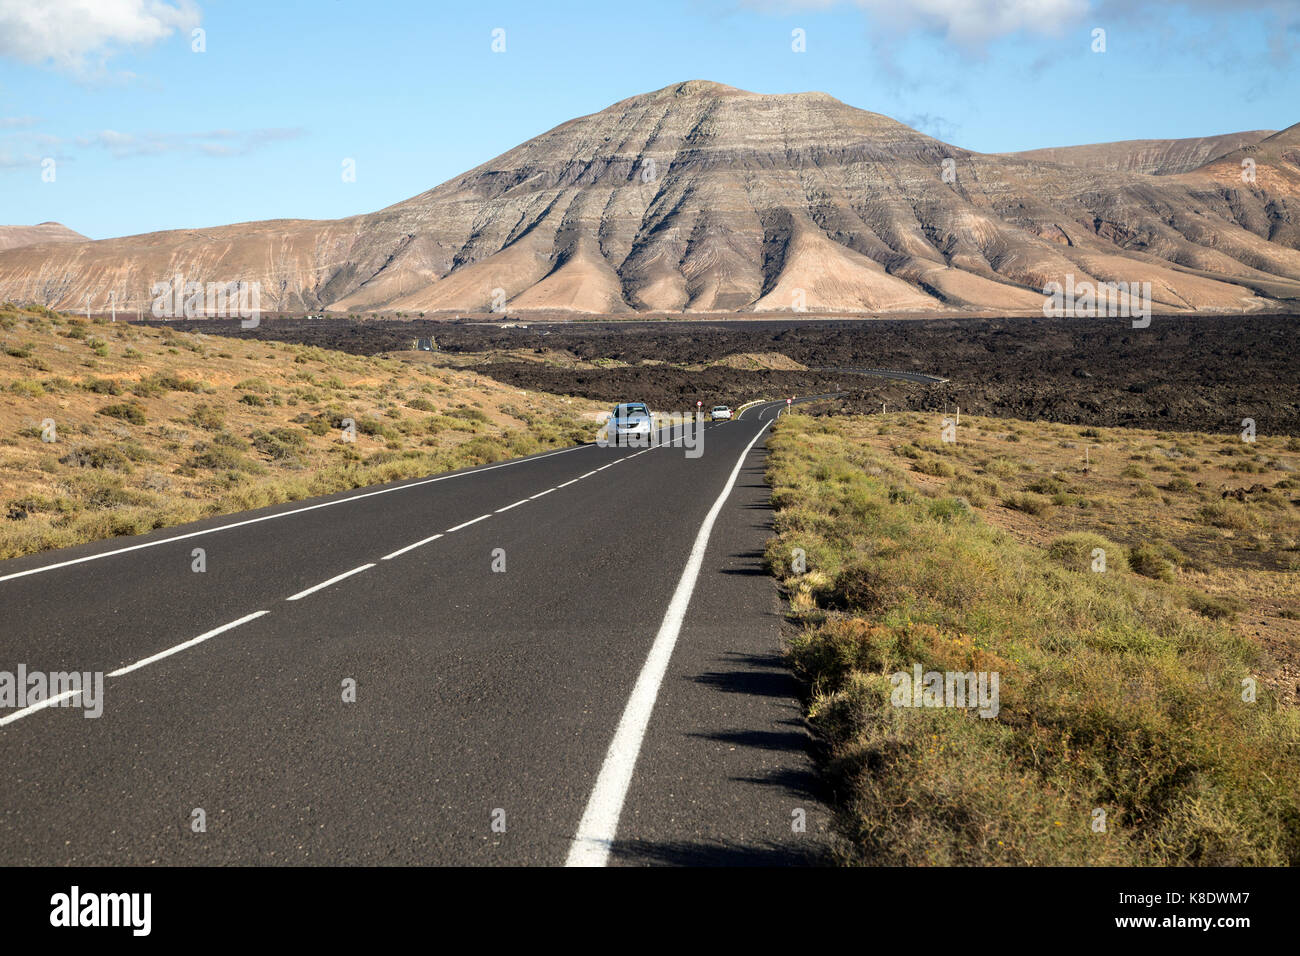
{"points": [[630, 424], [720, 413]]}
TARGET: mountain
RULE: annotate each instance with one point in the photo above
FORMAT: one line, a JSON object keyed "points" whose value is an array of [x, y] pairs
{"points": [[11, 237], [1156, 157], [708, 198]]}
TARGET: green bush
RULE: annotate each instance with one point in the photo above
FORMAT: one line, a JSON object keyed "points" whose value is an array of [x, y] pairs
{"points": [[1075, 551], [1147, 559], [26, 388], [1028, 502], [208, 417], [102, 386], [1218, 608], [280, 444], [128, 412], [160, 383], [469, 414], [110, 457], [934, 466], [951, 509], [217, 457], [1049, 485], [1227, 514]]}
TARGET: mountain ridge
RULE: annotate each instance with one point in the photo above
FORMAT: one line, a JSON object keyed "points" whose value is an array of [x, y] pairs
{"points": [[701, 197], [1157, 157], [11, 237]]}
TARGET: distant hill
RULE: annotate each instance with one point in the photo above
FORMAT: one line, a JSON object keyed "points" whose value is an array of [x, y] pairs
{"points": [[11, 237], [1156, 157]]}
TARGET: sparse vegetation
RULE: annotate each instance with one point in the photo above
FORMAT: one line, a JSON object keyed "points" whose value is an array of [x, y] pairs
{"points": [[1120, 689], [203, 433]]}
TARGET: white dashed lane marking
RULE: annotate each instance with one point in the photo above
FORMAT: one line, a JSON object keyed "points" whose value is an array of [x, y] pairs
{"points": [[334, 580], [600, 822], [466, 524], [410, 547], [187, 644]]}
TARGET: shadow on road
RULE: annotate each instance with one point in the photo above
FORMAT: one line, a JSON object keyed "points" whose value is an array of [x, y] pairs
{"points": [[764, 674], [753, 565]]}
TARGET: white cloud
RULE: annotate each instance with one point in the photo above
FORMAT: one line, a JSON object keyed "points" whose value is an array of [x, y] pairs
{"points": [[970, 22], [975, 22], [19, 149], [24, 161], [218, 142], [72, 33]]}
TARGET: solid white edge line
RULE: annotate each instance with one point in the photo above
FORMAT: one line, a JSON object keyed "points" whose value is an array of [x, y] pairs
{"points": [[334, 580], [468, 523], [599, 824], [285, 514], [411, 547], [190, 643]]}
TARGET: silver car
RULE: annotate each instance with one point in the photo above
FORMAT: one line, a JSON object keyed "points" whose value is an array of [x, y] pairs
{"points": [[631, 423]]}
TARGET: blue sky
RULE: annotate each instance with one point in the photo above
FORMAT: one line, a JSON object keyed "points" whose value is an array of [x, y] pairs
{"points": [[147, 134]]}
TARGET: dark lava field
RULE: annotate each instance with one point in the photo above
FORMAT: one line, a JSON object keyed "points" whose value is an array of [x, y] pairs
{"points": [[1200, 373]]}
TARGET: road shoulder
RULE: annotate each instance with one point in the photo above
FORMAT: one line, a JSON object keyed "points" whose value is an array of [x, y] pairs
{"points": [[725, 775]]}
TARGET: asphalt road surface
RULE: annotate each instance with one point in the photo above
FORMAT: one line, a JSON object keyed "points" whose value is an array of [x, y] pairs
{"points": [[570, 658]]}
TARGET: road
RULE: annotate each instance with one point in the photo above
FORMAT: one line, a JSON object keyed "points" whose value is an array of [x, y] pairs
{"points": [[614, 695], [922, 377]]}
